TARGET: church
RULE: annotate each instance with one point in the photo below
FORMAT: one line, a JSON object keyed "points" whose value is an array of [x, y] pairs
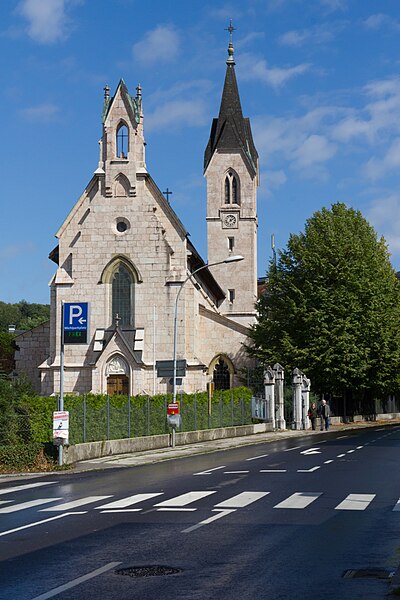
{"points": [[124, 251]]}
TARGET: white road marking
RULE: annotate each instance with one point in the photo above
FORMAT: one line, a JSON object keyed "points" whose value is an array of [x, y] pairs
{"points": [[308, 470], [235, 472], [168, 509], [290, 449], [342, 437], [28, 486], [273, 470], [397, 506], [75, 503], [24, 505], [350, 451], [5, 501], [184, 499], [75, 582], [355, 502], [121, 510], [299, 500], [257, 457], [340, 455], [209, 471], [327, 462], [40, 522], [124, 502], [359, 447], [220, 513], [310, 451], [241, 500], [381, 429]]}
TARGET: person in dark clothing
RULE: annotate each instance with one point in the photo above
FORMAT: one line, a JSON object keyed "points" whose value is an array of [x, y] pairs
{"points": [[312, 415], [325, 413]]}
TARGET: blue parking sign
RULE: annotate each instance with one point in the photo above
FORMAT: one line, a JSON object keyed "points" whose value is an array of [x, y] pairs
{"points": [[75, 322]]}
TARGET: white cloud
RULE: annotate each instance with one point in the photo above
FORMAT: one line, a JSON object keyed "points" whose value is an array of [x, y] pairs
{"points": [[161, 45], [376, 168], [39, 113], [275, 179], [181, 113], [380, 20], [333, 5], [315, 35], [47, 21], [315, 149], [384, 214], [252, 68]]}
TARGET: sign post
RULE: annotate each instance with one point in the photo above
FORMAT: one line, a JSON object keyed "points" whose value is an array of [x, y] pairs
{"points": [[74, 330]]}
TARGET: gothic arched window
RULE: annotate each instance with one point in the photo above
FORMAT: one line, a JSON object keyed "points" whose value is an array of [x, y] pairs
{"points": [[122, 141], [231, 188], [122, 296]]}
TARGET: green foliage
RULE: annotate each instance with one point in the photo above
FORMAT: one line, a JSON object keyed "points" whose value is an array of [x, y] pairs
{"points": [[141, 416], [23, 315], [332, 306], [22, 456], [6, 352]]}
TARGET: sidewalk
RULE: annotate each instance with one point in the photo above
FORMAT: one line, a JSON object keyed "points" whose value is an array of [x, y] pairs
{"points": [[153, 456]]}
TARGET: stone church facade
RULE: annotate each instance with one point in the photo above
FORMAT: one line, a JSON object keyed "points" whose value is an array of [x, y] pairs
{"points": [[123, 249]]}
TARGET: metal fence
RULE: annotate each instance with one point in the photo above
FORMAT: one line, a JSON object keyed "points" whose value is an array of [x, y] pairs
{"points": [[145, 416]]}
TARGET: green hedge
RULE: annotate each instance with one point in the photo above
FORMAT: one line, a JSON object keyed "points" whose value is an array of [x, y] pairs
{"points": [[147, 414], [22, 456]]}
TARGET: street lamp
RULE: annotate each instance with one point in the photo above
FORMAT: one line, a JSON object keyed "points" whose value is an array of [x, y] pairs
{"points": [[229, 259]]}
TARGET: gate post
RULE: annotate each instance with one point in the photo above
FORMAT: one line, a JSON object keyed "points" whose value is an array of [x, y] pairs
{"points": [[296, 384], [305, 401], [269, 386], [280, 408]]}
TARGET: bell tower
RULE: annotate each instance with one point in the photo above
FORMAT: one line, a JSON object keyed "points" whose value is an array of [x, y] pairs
{"points": [[231, 170]]}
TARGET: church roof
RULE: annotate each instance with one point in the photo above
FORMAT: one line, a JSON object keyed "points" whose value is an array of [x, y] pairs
{"points": [[231, 131]]}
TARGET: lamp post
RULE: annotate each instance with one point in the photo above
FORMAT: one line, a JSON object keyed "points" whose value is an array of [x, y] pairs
{"points": [[229, 259]]}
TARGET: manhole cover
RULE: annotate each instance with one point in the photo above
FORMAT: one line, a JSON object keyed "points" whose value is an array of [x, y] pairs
{"points": [[368, 573], [148, 571]]}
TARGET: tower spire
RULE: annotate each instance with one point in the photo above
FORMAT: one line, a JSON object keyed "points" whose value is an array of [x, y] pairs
{"points": [[231, 29]]}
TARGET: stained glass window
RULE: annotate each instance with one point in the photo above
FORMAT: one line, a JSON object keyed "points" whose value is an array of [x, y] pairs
{"points": [[122, 292]]}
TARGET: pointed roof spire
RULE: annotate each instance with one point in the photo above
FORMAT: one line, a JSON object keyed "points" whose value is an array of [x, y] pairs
{"points": [[231, 131]]}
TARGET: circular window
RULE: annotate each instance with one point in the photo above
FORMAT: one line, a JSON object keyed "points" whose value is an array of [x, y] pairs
{"points": [[122, 225]]}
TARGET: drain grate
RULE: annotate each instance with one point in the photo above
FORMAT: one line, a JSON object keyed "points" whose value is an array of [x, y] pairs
{"points": [[148, 571], [368, 573]]}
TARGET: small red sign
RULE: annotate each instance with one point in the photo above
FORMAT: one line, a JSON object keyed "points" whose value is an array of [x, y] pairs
{"points": [[173, 408]]}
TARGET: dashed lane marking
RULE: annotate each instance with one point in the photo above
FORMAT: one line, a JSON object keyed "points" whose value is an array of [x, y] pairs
{"points": [[125, 502], [257, 457], [28, 486], [299, 500], [219, 515], [355, 502], [241, 500], [209, 471]]}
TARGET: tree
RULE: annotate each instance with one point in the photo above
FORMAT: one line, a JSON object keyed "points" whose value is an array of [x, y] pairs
{"points": [[332, 307], [23, 315]]}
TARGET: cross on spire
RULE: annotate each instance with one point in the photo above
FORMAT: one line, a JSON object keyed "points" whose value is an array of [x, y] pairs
{"points": [[231, 29]]}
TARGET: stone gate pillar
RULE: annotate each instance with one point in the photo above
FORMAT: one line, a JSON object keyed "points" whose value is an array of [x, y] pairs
{"points": [[297, 401], [279, 397], [305, 401], [269, 386]]}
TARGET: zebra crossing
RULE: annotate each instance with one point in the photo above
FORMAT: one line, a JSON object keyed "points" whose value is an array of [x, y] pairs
{"points": [[186, 502]]}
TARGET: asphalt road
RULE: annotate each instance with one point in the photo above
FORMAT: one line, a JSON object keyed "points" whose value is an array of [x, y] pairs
{"points": [[281, 520]]}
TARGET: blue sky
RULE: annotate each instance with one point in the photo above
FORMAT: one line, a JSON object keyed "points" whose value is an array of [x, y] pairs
{"points": [[319, 80]]}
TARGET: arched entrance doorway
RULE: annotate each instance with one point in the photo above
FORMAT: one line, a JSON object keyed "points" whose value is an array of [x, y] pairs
{"points": [[117, 373]]}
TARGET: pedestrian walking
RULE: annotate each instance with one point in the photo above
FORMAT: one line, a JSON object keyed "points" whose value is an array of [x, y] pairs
{"points": [[325, 413], [312, 415]]}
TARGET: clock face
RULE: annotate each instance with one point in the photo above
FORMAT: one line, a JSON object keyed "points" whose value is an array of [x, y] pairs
{"points": [[230, 221]]}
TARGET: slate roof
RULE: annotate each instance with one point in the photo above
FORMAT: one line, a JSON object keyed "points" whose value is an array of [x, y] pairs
{"points": [[231, 131]]}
